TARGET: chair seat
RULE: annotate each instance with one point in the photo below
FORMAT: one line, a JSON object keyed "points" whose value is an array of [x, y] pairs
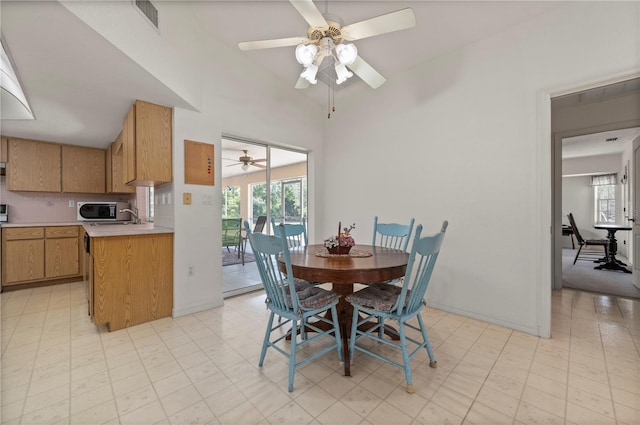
{"points": [[596, 242], [381, 296], [312, 297]]}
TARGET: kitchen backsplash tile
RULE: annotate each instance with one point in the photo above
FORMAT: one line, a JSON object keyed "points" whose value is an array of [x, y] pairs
{"points": [[37, 207]]}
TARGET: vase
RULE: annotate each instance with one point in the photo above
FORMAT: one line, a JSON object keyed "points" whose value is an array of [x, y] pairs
{"points": [[339, 250]]}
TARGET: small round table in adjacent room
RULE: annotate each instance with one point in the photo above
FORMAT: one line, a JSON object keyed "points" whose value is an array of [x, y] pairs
{"points": [[612, 262]]}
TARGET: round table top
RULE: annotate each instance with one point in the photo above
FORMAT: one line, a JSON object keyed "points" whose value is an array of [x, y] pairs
{"points": [[384, 264], [613, 226]]}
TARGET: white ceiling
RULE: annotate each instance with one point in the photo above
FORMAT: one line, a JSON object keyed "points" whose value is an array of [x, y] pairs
{"points": [[80, 86], [232, 149], [597, 143]]}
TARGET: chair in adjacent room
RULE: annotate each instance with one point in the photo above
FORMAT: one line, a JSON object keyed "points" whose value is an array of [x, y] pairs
{"points": [[392, 235], [296, 303], [231, 235], [257, 228], [400, 303], [587, 242], [296, 233]]}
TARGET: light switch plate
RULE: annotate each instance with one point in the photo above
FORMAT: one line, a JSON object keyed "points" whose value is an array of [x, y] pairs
{"points": [[186, 198]]}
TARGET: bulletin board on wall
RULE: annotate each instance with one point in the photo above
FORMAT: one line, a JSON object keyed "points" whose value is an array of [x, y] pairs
{"points": [[198, 163]]}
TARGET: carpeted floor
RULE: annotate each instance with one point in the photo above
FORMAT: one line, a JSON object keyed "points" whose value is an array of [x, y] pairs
{"points": [[583, 276], [229, 258]]}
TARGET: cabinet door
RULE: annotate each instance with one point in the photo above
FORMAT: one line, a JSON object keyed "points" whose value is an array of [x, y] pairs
{"points": [[33, 166], [3, 149], [115, 162], [153, 137], [61, 257], [83, 169], [129, 145], [24, 260]]}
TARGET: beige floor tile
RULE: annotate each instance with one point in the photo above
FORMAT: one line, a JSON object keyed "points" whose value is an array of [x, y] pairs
{"points": [[386, 414], [627, 415], [531, 415], [434, 414], [581, 415], [89, 399], [180, 399], [600, 405], [498, 400], [483, 414], [315, 400], [135, 400], [242, 414], [55, 413], [544, 401], [151, 413], [99, 414], [361, 401], [339, 413], [198, 413], [170, 384], [454, 402]]}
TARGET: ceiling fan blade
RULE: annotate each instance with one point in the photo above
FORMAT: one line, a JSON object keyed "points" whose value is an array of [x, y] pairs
{"points": [[231, 165], [258, 165], [259, 160], [367, 73], [394, 21], [302, 83], [268, 44], [310, 13]]}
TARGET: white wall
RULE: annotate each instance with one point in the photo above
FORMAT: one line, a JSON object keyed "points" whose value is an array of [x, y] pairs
{"points": [[467, 138]]}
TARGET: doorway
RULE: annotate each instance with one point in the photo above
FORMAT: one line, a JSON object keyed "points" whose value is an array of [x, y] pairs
{"points": [[593, 131], [258, 180]]}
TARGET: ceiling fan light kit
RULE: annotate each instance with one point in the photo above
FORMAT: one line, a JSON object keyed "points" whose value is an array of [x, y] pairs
{"points": [[325, 36]]}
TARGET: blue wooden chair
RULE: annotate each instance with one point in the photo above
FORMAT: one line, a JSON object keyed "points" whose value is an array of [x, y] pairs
{"points": [[295, 302], [400, 303], [392, 235], [296, 234]]}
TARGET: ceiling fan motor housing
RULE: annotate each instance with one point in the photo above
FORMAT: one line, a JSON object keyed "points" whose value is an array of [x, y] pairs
{"points": [[333, 31]]}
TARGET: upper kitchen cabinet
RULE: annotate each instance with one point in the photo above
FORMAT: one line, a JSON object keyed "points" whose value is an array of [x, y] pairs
{"points": [[34, 166], [3, 149], [146, 143], [115, 165], [84, 169]]}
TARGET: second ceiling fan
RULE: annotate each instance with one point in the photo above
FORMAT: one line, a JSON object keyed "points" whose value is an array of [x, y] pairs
{"points": [[325, 38], [247, 161]]}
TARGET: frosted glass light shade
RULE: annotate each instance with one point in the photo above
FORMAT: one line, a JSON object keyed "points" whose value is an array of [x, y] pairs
{"points": [[346, 53], [306, 53], [343, 73], [309, 73]]}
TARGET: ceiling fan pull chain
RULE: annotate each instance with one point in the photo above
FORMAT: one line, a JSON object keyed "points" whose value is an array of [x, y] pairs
{"points": [[329, 101]]}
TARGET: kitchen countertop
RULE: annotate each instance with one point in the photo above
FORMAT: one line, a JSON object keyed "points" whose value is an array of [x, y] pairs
{"points": [[102, 230]]}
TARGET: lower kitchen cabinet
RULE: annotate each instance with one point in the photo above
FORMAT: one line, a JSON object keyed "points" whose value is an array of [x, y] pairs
{"points": [[40, 254], [131, 279]]}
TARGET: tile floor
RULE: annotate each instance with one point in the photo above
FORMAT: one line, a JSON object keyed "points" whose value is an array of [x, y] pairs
{"points": [[58, 368]]}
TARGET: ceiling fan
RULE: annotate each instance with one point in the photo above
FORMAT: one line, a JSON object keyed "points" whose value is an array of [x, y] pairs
{"points": [[247, 161], [325, 38]]}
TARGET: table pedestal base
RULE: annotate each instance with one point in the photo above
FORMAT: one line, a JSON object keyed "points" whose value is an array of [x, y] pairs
{"points": [[345, 319], [615, 265]]}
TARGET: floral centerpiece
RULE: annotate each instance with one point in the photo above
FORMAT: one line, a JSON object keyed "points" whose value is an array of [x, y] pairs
{"points": [[342, 243]]}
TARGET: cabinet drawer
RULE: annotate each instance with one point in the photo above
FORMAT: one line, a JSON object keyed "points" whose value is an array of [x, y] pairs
{"points": [[20, 233], [62, 232]]}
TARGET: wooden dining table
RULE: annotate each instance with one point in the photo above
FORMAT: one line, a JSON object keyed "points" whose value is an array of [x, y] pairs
{"points": [[365, 264]]}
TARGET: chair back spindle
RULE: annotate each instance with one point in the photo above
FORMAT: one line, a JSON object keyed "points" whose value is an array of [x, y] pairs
{"points": [[392, 235]]}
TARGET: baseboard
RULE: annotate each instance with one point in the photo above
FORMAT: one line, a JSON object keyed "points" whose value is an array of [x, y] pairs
{"points": [[196, 308], [489, 319]]}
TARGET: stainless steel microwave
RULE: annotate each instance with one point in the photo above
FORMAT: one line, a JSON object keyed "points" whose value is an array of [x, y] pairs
{"points": [[103, 211]]}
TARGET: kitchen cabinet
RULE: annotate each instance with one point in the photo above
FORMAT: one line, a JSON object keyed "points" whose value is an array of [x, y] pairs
{"points": [[131, 279], [33, 166], [114, 168], [147, 144], [40, 254], [4, 142], [83, 169]]}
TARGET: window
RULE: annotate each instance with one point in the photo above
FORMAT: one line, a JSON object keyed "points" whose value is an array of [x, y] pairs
{"points": [[231, 202], [150, 204], [288, 200], [605, 196], [604, 186]]}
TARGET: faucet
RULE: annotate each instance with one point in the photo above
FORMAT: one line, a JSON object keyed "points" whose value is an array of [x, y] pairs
{"points": [[133, 212]]}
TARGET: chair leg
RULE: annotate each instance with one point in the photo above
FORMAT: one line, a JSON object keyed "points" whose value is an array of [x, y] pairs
{"points": [[292, 353], [427, 344], [354, 335], [577, 254], [381, 328], [338, 335], [405, 357], [265, 343]]}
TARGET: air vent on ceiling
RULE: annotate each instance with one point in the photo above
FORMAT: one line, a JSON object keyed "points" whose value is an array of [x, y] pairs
{"points": [[149, 11], [610, 139]]}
